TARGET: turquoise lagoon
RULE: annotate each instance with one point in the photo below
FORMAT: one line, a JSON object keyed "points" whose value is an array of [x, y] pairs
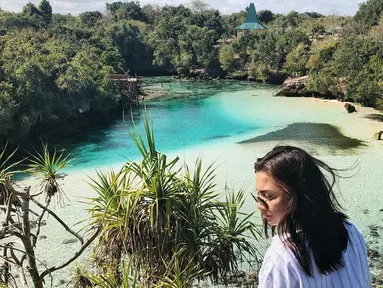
{"points": [[204, 113], [201, 114]]}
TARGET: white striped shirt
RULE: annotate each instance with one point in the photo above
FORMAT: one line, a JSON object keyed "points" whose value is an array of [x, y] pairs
{"points": [[281, 269]]}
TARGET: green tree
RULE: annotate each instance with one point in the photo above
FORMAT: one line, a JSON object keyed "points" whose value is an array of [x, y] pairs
{"points": [[114, 7], [291, 39], [226, 57], [50, 80], [210, 19], [367, 86], [265, 16], [321, 54], [151, 12], [316, 28], [352, 28], [170, 48], [293, 18], [126, 10], [90, 17], [369, 13], [199, 6], [266, 49], [353, 54], [296, 60], [233, 20], [324, 82], [30, 9], [201, 47], [314, 15], [45, 11], [376, 32]]}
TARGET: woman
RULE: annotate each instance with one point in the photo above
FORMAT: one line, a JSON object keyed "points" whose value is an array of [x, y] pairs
{"points": [[314, 244]]}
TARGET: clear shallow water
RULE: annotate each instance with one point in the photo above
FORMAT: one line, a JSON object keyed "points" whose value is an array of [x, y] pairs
{"points": [[206, 112], [202, 115]]}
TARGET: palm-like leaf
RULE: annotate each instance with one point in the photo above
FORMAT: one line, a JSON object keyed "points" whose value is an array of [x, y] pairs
{"points": [[111, 209], [6, 167], [7, 170], [236, 234], [109, 280], [180, 273], [80, 278], [47, 166]]}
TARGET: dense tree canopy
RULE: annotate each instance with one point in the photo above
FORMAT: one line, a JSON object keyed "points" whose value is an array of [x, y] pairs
{"points": [[369, 13], [45, 11], [90, 17], [265, 16]]}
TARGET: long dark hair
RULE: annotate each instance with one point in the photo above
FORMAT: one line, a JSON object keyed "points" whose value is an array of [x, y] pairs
{"points": [[313, 221]]}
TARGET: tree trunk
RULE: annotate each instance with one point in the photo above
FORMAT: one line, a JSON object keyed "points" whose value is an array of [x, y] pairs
{"points": [[32, 267]]}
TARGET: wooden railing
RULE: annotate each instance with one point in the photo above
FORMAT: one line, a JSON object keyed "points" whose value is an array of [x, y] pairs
{"points": [[122, 77]]}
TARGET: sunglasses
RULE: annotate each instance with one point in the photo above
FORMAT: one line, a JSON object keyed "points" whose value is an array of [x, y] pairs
{"points": [[260, 200], [263, 201]]}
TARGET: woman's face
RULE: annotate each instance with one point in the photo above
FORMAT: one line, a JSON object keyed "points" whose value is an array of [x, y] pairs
{"points": [[276, 198]]}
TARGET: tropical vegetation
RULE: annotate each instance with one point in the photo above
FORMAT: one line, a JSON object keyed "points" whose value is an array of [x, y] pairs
{"points": [[158, 223], [168, 222], [54, 69]]}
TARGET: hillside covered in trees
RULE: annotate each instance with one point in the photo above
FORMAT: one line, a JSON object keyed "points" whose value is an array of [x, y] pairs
{"points": [[54, 67]]}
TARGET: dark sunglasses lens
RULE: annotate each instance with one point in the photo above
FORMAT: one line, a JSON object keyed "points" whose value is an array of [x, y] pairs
{"points": [[263, 202], [260, 200]]}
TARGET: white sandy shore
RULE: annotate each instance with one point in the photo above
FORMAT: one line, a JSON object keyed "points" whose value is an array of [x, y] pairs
{"points": [[235, 167]]}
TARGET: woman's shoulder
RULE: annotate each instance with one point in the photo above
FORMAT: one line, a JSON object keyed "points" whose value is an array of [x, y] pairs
{"points": [[278, 250], [279, 266], [355, 235], [353, 230]]}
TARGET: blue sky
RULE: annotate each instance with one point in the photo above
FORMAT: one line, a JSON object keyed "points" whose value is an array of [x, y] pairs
{"points": [[339, 7]]}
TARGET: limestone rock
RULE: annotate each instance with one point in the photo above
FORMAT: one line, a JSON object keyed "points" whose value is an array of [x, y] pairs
{"points": [[294, 87]]}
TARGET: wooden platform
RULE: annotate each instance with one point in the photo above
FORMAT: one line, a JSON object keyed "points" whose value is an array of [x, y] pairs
{"points": [[122, 77]]}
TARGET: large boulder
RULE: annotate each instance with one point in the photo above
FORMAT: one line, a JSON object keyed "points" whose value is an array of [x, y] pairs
{"points": [[294, 87], [350, 108]]}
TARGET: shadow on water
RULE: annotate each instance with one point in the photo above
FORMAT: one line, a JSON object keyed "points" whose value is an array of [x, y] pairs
{"points": [[375, 117], [217, 137], [314, 133]]}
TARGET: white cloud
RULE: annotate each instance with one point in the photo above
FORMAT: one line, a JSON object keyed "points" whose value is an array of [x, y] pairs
{"points": [[341, 7]]}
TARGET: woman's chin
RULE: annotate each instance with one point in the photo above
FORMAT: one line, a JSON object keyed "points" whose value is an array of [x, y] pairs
{"points": [[270, 221]]}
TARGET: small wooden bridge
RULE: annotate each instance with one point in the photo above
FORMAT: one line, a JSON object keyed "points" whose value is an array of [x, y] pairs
{"points": [[129, 86]]}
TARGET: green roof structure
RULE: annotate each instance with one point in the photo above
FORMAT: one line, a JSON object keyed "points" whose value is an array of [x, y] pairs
{"points": [[252, 22]]}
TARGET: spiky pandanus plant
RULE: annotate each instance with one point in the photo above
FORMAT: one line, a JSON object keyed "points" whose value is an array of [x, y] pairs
{"points": [[46, 167], [81, 279], [154, 210]]}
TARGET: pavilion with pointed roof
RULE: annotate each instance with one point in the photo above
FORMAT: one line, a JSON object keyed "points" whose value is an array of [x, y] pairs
{"points": [[252, 22]]}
